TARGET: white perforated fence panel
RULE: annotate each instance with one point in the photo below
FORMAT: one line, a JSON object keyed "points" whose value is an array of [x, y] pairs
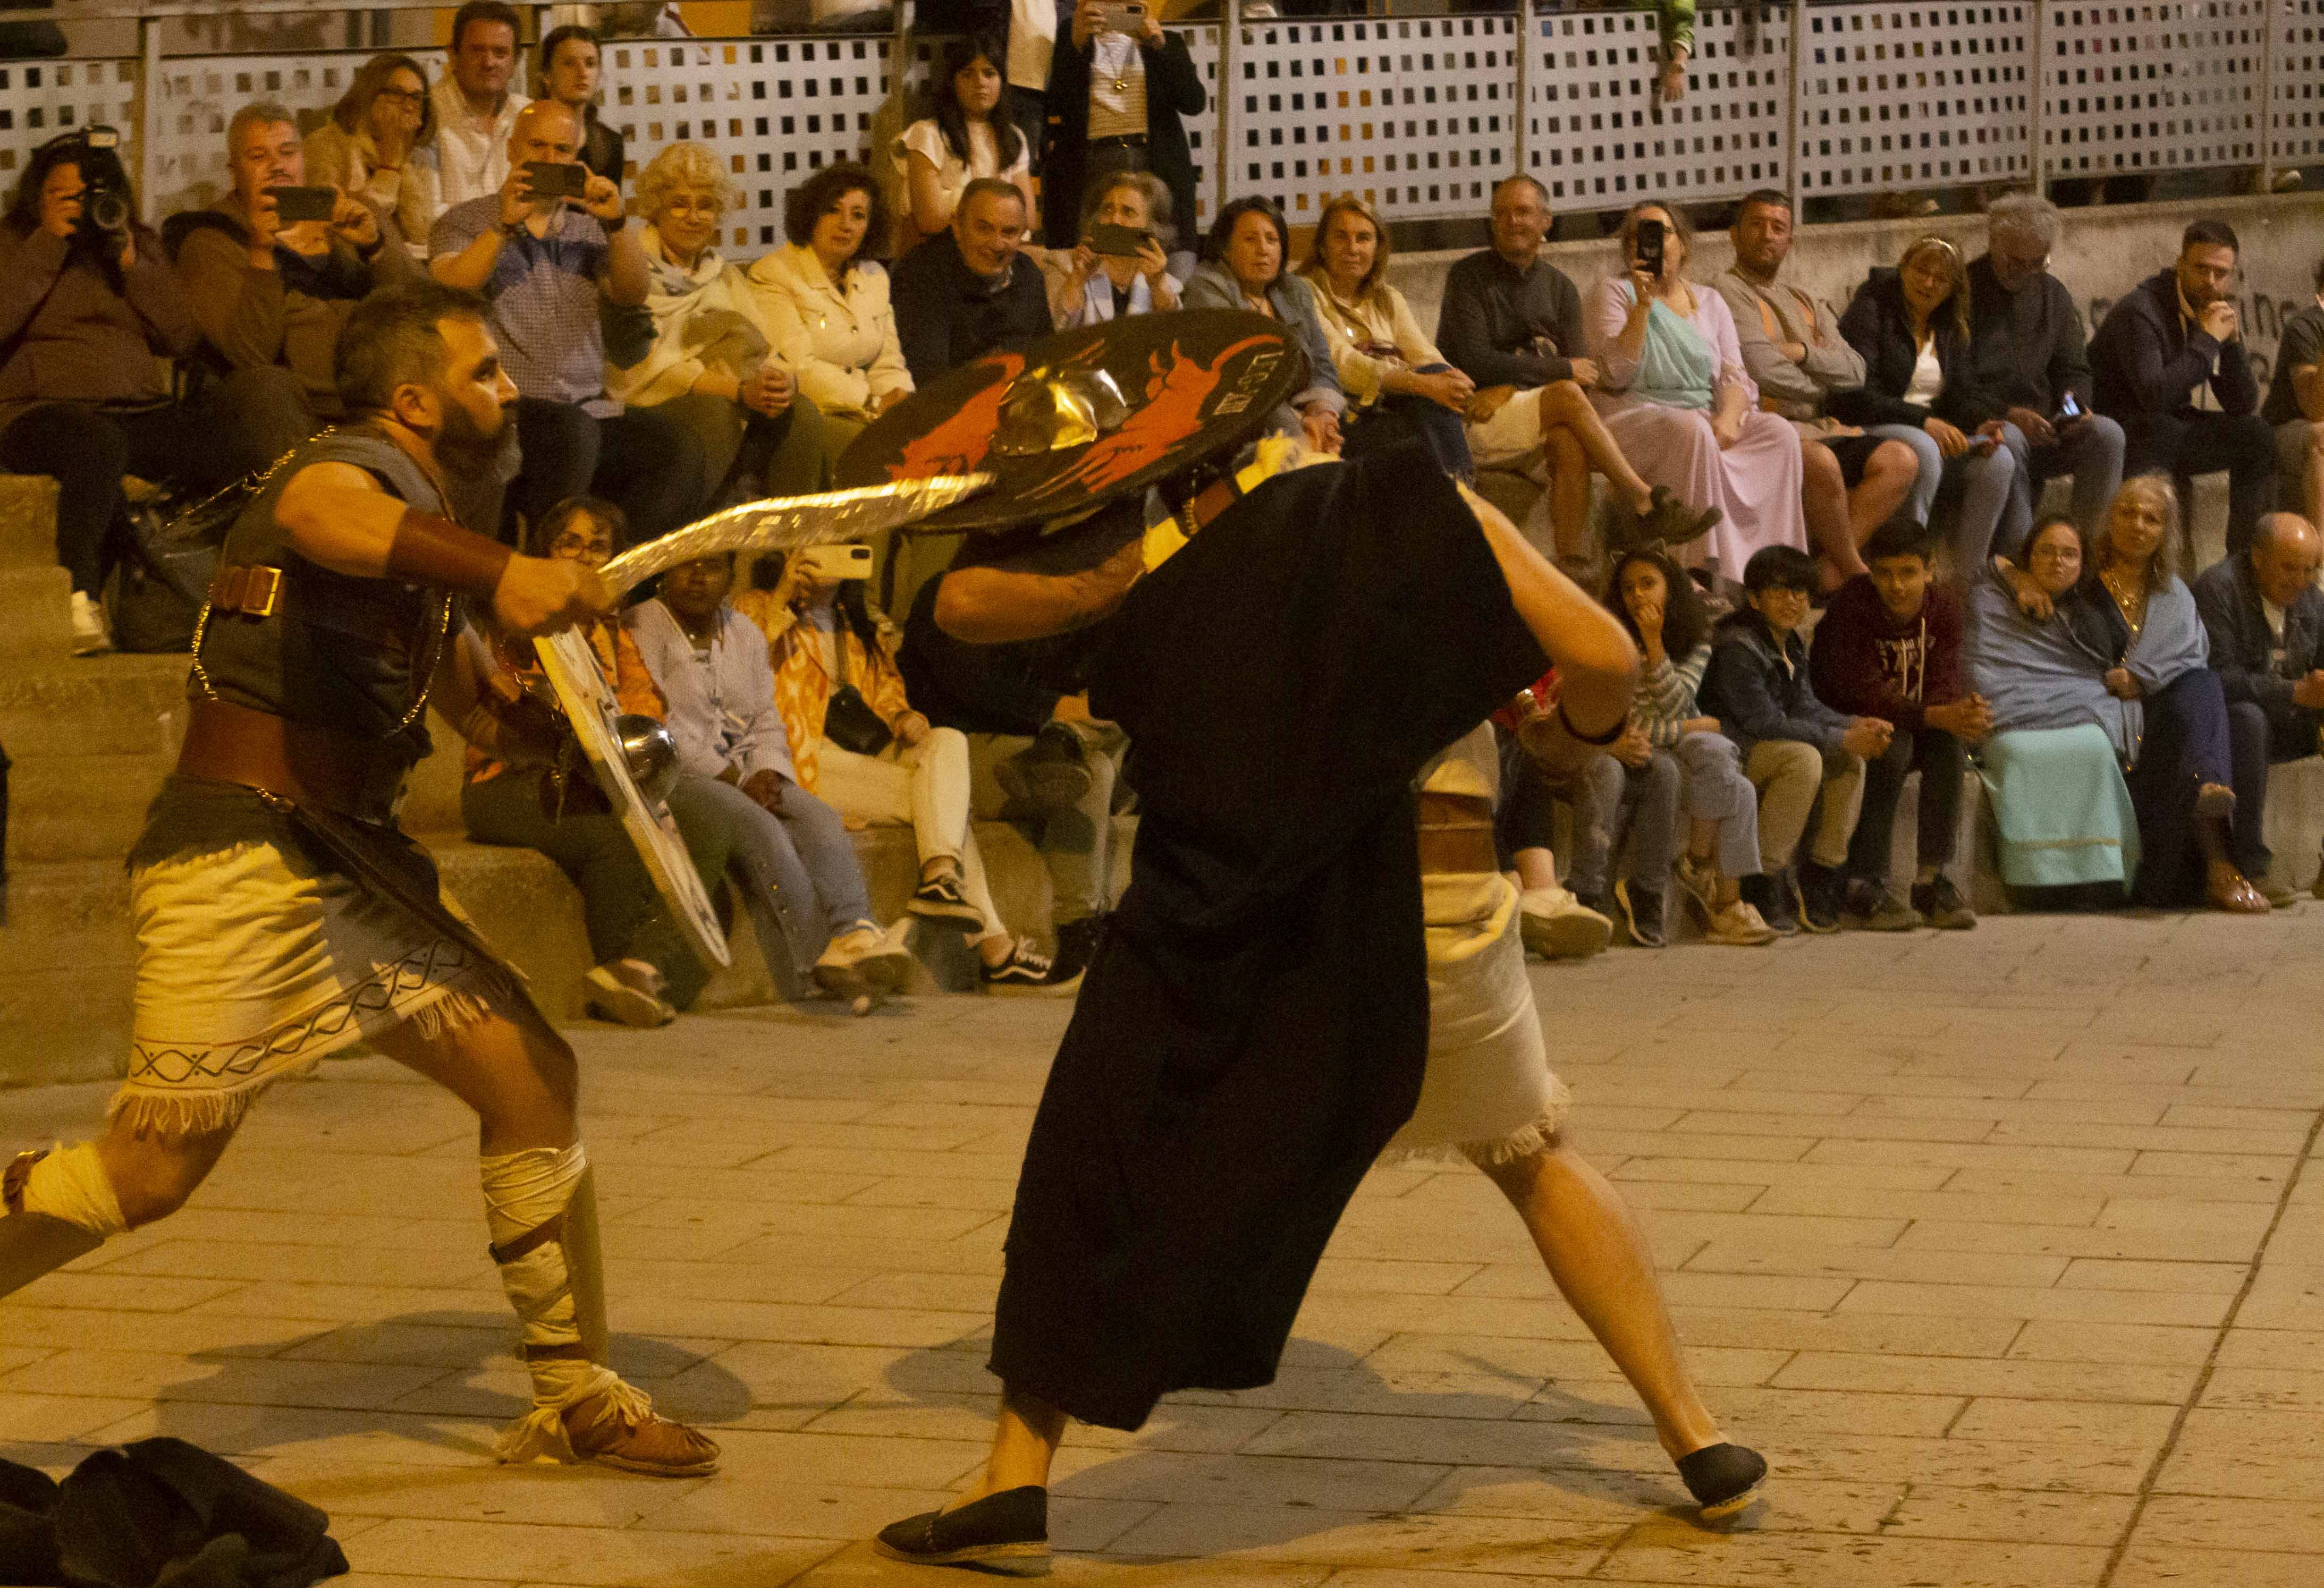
{"points": [[1896, 97], [1414, 114], [1202, 133], [1595, 138], [42, 98], [2151, 87], [2296, 119]]}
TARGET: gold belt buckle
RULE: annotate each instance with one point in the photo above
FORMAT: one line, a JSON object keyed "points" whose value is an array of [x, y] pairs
{"points": [[263, 588]]}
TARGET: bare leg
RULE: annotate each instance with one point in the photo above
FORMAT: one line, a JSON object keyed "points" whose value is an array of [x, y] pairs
{"points": [[518, 1076], [1569, 493], [1823, 498], [152, 1171], [1565, 405], [1602, 1266], [1025, 1441], [1888, 478], [1536, 868]]}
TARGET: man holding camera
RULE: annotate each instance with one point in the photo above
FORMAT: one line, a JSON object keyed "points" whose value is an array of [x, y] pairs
{"points": [[549, 251], [271, 275]]}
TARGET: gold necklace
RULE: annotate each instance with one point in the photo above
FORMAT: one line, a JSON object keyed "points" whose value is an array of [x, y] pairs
{"points": [[2134, 607]]}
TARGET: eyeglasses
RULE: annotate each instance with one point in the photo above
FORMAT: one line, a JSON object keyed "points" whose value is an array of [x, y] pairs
{"points": [[403, 96]]}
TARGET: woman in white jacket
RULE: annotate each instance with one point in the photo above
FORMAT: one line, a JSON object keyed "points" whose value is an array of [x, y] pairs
{"points": [[826, 306], [713, 366]]}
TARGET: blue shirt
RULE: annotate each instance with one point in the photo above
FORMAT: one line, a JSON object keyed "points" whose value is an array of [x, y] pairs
{"points": [[545, 301]]}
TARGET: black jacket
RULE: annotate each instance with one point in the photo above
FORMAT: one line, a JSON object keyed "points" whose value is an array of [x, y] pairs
{"points": [[1174, 88], [2027, 345], [990, 688], [2242, 646], [2149, 362], [1761, 690], [1879, 325], [947, 313]]}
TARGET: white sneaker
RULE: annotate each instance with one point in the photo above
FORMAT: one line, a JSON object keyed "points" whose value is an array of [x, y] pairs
{"points": [[864, 959], [89, 634], [627, 994], [1556, 925], [1739, 925]]}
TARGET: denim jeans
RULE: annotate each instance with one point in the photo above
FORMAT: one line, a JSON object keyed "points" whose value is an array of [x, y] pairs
{"points": [[1702, 774], [797, 870], [2090, 451]]}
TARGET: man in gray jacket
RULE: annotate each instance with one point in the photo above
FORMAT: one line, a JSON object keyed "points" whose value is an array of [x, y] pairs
{"points": [[1792, 346]]}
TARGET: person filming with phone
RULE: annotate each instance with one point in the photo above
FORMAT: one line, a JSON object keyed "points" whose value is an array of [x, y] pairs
{"points": [[547, 251], [1119, 88], [271, 274], [1121, 265]]}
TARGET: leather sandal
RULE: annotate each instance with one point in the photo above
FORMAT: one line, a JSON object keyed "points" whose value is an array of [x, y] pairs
{"points": [[654, 1444]]}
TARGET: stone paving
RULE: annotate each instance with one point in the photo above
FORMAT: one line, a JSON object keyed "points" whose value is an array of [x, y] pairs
{"points": [[2001, 1245]]}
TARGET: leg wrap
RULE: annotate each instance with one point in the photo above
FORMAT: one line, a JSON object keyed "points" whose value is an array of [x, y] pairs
{"points": [[542, 1212], [60, 1207]]}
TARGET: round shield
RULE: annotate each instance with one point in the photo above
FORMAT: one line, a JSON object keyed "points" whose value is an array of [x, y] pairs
{"points": [[1083, 417]]}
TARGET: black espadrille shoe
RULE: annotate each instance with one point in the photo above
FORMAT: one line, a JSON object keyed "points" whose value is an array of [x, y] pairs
{"points": [[1724, 1479], [1008, 1533]]}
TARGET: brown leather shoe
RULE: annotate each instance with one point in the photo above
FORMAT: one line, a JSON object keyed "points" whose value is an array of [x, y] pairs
{"points": [[649, 1443]]}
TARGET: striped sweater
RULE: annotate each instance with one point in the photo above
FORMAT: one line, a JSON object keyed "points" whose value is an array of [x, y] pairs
{"points": [[1665, 697]]}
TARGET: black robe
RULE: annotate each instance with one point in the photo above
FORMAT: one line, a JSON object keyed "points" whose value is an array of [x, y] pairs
{"points": [[1254, 1027]]}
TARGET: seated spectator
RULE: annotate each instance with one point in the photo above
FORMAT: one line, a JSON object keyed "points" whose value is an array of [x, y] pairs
{"points": [[1855, 478], [88, 320], [547, 267], [1680, 405], [824, 640], [1094, 287], [1552, 921], [2068, 832], [1245, 267], [380, 145], [1888, 648], [1912, 326], [1400, 384], [569, 70], [1796, 750], [1121, 101], [737, 800], [826, 305], [2174, 370], [960, 296], [1036, 756], [1511, 322], [973, 133], [2264, 618], [712, 367], [2295, 406], [2129, 656], [1670, 754], [475, 109], [2025, 341], [271, 298], [645, 972]]}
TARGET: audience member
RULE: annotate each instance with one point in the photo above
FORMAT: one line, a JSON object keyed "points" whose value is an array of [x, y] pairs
{"points": [[1682, 407], [2295, 406], [569, 70], [960, 296], [1853, 478], [1117, 103], [1911, 325], [271, 297], [2068, 832], [1095, 288], [547, 267], [644, 972], [737, 800], [1511, 322], [380, 145], [1552, 921], [2130, 656], [1670, 755], [1245, 266], [712, 367], [1797, 751], [833, 653], [2264, 618], [973, 133], [2025, 343], [1400, 384], [475, 109], [83, 397], [1036, 756], [1888, 648], [826, 305], [2173, 369]]}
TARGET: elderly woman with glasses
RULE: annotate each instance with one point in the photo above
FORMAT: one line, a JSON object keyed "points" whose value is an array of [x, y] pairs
{"points": [[380, 145]]}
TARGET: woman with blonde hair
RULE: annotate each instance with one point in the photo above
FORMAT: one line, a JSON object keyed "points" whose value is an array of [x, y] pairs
{"points": [[1398, 385], [380, 145], [713, 367]]}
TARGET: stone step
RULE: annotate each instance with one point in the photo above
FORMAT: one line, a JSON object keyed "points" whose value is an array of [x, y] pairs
{"points": [[81, 807], [35, 614], [106, 705], [28, 522], [66, 914]]}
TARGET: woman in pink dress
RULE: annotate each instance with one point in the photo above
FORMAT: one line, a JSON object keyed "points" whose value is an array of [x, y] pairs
{"points": [[1674, 395]]}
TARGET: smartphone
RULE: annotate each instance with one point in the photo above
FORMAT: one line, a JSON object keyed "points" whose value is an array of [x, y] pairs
{"points": [[1650, 245], [557, 179], [304, 204], [836, 561], [2067, 409], [1120, 241], [1121, 17]]}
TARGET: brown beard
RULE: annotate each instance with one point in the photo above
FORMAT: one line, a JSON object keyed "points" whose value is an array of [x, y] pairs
{"points": [[472, 457]]}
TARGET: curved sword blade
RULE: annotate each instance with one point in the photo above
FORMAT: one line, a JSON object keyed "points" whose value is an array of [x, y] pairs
{"points": [[779, 523]]}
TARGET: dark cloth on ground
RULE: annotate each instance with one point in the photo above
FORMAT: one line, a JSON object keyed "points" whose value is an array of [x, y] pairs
{"points": [[947, 313], [2254, 665], [1504, 327], [1865, 663], [1941, 759], [1253, 1029]]}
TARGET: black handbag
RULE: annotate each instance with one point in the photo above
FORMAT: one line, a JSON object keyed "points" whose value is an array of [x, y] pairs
{"points": [[849, 722]]}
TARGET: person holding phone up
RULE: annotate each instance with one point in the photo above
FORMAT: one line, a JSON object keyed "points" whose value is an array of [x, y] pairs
{"points": [[1118, 87], [1122, 264]]}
